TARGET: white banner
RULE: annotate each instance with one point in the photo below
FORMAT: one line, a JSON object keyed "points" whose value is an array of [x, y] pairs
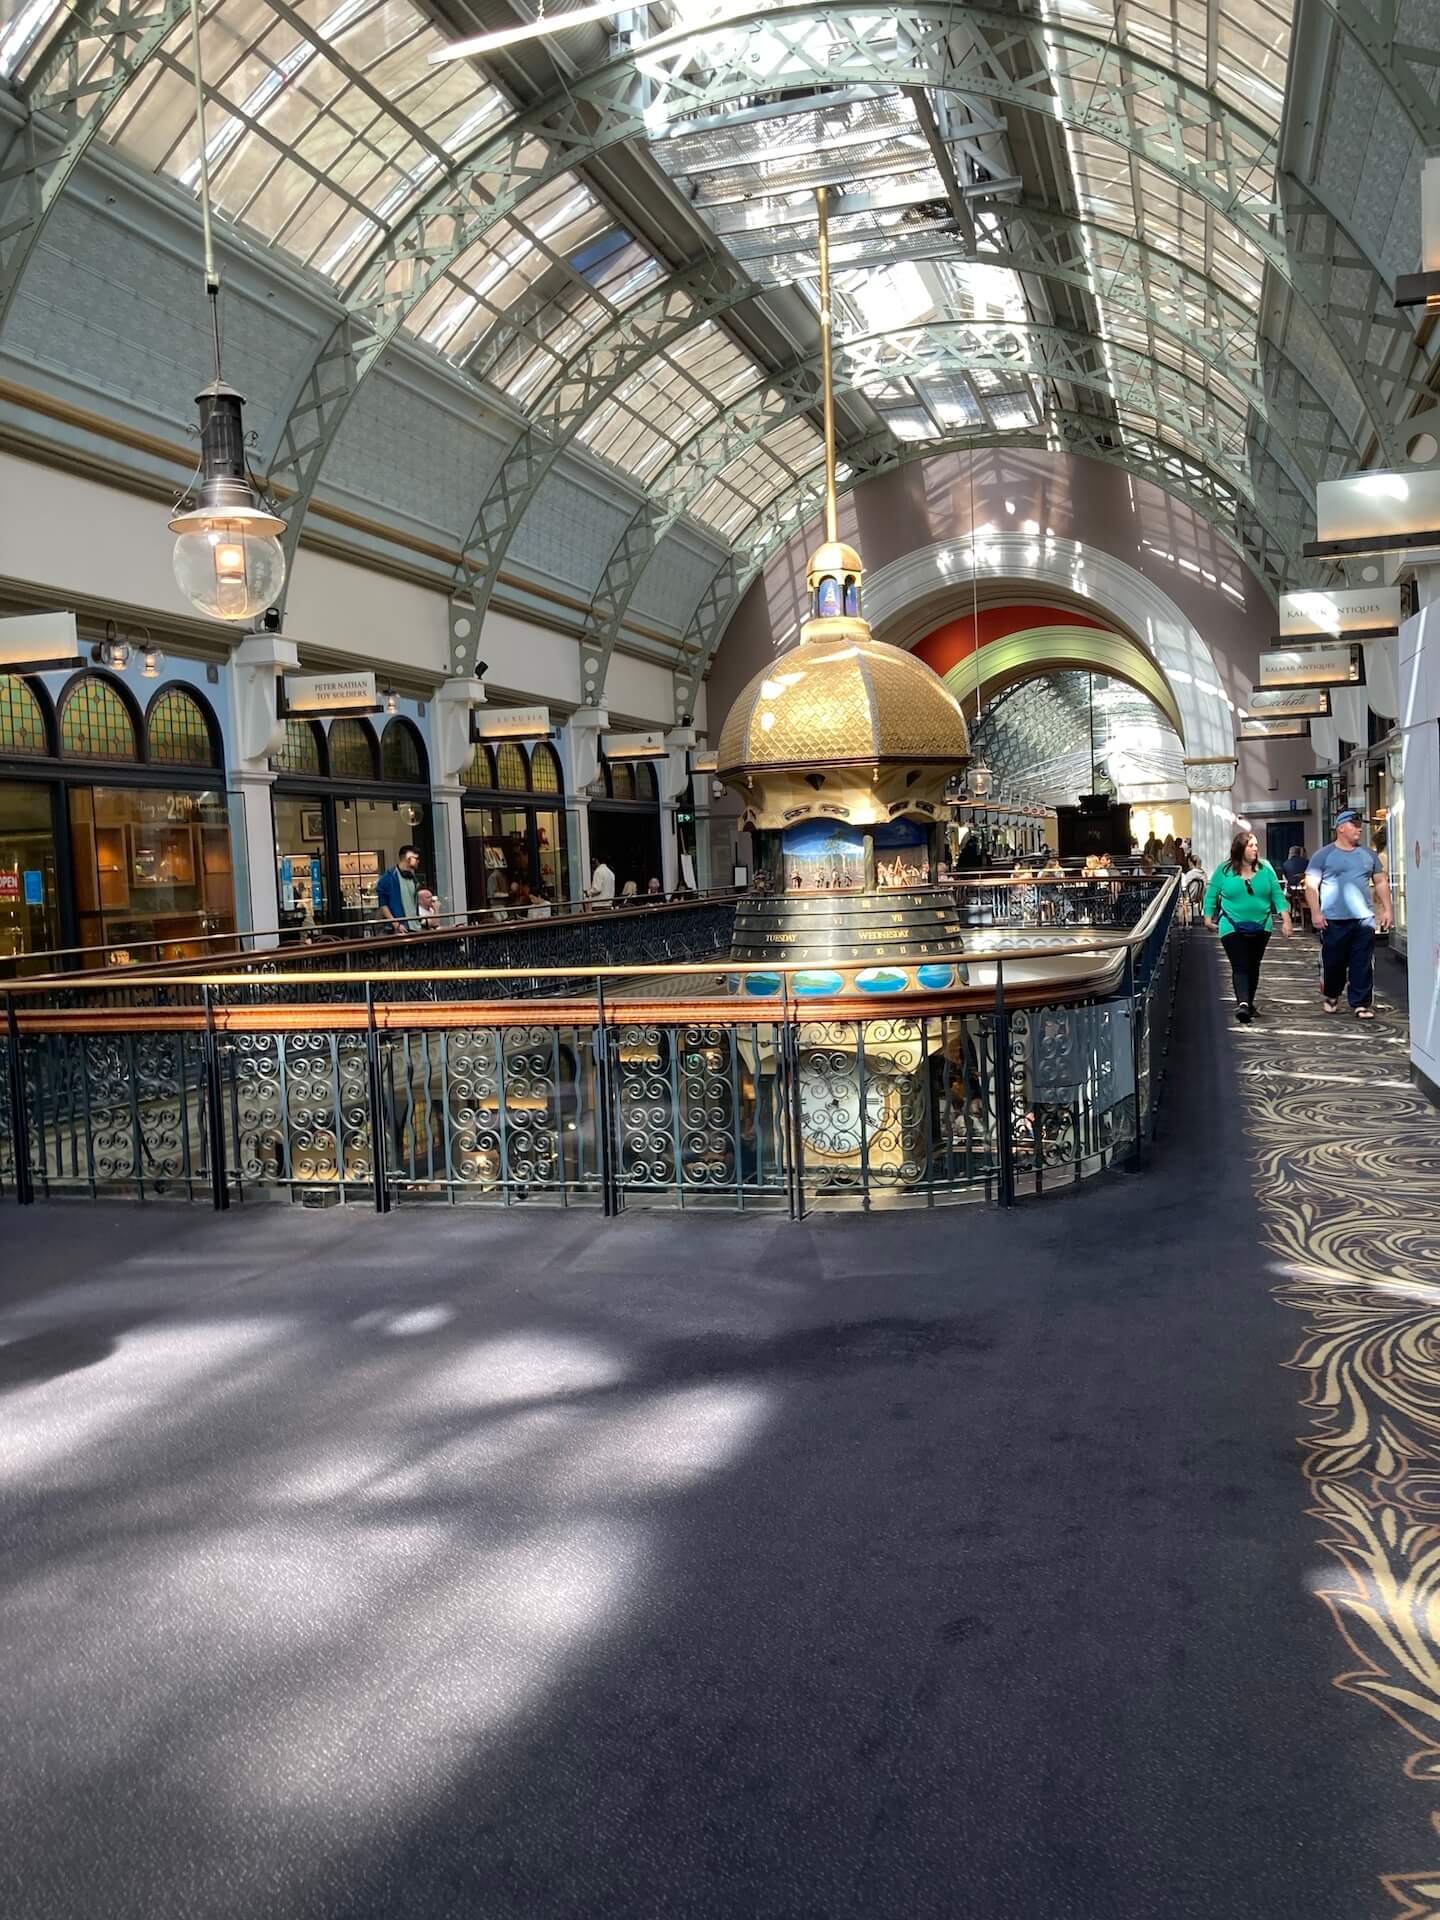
{"points": [[510, 723], [30, 640], [1340, 610], [634, 746], [1377, 507], [1274, 729], [330, 693], [1311, 667], [1296, 701]]}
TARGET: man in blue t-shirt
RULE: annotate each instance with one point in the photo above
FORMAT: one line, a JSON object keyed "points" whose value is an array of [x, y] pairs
{"points": [[1338, 885]]}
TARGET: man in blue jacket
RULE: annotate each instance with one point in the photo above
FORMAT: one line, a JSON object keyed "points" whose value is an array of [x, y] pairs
{"points": [[398, 890]]}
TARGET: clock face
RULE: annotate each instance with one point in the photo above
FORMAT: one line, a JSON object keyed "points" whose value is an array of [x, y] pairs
{"points": [[830, 1107]]}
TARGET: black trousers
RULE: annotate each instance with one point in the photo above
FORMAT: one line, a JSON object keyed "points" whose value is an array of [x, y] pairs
{"points": [[1245, 951]]}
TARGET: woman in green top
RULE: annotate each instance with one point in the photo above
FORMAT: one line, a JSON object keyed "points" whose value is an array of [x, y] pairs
{"points": [[1245, 899]]}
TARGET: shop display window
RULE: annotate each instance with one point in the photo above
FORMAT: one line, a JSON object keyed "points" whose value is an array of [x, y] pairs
{"points": [[151, 866], [369, 835], [29, 889], [402, 757]]}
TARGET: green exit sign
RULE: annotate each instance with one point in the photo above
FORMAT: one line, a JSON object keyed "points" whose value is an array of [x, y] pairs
{"points": [[1320, 780]]}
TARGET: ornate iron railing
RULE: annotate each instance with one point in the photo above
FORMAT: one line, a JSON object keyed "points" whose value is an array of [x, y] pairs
{"points": [[608, 1086]]}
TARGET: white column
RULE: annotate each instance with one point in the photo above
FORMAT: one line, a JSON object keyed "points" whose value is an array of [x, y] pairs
{"points": [[256, 666], [581, 753], [451, 752], [673, 780]]}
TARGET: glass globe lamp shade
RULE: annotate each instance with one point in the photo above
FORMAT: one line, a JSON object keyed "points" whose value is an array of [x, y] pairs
{"points": [[980, 782], [231, 568], [151, 661]]}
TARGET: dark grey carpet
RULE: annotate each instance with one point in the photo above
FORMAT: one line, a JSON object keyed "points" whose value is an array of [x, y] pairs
{"points": [[525, 1565]]}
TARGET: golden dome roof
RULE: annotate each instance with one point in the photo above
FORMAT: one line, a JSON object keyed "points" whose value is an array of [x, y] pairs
{"points": [[828, 702], [834, 557]]}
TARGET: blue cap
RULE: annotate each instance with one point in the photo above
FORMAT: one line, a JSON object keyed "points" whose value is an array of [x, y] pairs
{"points": [[1350, 813]]}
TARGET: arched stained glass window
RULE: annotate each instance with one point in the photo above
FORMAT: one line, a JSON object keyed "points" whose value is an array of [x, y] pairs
{"points": [[22, 718], [352, 750], [645, 787], [511, 774], [481, 770], [95, 722], [622, 781], [301, 751], [178, 731], [402, 757], [545, 769]]}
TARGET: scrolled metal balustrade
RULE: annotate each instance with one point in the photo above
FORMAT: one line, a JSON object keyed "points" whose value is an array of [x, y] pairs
{"points": [[495, 1078]]}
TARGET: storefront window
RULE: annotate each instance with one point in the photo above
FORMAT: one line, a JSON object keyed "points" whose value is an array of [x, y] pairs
{"points": [[369, 835], [22, 718], [510, 769], [352, 750], [29, 892], [95, 722], [545, 769], [402, 757], [300, 860], [151, 866], [516, 854], [178, 731], [481, 771], [301, 750]]}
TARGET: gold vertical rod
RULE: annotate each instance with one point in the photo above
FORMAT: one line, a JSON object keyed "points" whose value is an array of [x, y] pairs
{"points": [[832, 524]]}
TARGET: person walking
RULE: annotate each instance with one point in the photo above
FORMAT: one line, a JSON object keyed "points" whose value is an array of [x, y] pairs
{"points": [[1192, 890], [1244, 900], [601, 890], [398, 892], [1338, 887]]}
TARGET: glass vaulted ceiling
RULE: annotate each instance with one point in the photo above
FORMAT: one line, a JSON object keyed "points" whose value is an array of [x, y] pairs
{"points": [[326, 124]]}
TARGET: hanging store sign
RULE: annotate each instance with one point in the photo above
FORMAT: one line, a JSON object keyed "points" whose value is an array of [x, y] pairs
{"points": [[1298, 702], [704, 762], [329, 693], [32, 641], [1266, 727], [1376, 513], [1367, 611], [634, 746], [510, 723], [1312, 667]]}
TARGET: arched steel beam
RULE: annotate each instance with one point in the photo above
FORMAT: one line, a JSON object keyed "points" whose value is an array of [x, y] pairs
{"points": [[751, 417], [1045, 67], [98, 51], [1119, 373], [1163, 466]]}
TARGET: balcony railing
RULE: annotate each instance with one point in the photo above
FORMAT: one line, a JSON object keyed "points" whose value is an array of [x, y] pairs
{"points": [[689, 1083]]}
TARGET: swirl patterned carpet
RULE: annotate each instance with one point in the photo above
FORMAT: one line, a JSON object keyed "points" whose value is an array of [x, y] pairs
{"points": [[508, 1565], [1347, 1170]]}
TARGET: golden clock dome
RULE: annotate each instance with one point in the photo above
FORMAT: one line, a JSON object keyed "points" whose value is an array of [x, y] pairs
{"points": [[842, 726]]}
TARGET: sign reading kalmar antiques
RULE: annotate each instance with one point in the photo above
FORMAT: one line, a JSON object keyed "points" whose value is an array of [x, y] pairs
{"points": [[1311, 667], [330, 693], [510, 723], [1267, 727], [1338, 611], [1311, 702]]}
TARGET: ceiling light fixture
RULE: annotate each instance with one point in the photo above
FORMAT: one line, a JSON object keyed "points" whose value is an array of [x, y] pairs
{"points": [[228, 562], [543, 23]]}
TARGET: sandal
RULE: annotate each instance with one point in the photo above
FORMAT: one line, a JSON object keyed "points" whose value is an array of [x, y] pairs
{"points": [[1330, 1006], [1364, 1013]]}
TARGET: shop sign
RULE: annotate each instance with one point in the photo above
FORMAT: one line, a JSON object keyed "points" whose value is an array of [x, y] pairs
{"points": [[34, 887], [9, 886], [30, 641], [1312, 702], [328, 693], [509, 723], [1317, 782], [1267, 727], [634, 746], [1378, 512], [1370, 610], [1312, 667]]}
